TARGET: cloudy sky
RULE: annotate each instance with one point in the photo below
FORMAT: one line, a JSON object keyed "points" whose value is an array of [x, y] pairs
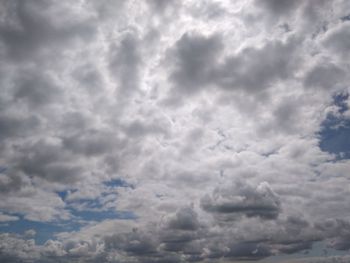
{"points": [[174, 131]]}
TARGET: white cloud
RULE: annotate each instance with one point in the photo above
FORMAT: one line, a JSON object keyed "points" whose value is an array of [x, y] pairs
{"points": [[199, 119]]}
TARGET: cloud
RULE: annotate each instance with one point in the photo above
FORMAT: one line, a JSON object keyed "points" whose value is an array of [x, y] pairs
{"points": [[173, 131], [337, 40], [271, 63], [185, 219], [13, 248], [124, 63], [36, 90], [6, 218], [195, 58], [245, 200], [30, 29], [199, 65], [326, 76]]}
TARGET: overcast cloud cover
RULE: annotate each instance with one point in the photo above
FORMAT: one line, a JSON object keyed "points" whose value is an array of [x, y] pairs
{"points": [[174, 131]]}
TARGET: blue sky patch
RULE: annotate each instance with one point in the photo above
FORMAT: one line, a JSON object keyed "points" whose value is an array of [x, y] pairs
{"points": [[103, 215], [117, 183], [44, 231], [335, 132]]}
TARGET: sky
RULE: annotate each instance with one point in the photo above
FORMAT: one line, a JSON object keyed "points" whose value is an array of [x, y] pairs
{"points": [[174, 131]]}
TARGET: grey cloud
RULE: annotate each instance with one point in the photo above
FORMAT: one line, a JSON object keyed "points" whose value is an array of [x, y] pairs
{"points": [[160, 5], [12, 126], [91, 143], [49, 161], [61, 131], [252, 70], [134, 243], [279, 7], [53, 249], [176, 237], [337, 40], [327, 76], [176, 240], [10, 182], [89, 78], [139, 128], [296, 235], [248, 251], [37, 89], [181, 232], [195, 57], [329, 259], [292, 247], [107, 9], [15, 249], [345, 18], [74, 122], [306, 17], [184, 219], [337, 231], [285, 117], [124, 63], [243, 200], [29, 31]]}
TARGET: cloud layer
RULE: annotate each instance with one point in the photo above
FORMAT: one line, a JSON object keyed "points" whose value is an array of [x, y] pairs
{"points": [[174, 131]]}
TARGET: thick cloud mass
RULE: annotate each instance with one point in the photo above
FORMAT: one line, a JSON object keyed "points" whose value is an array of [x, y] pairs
{"points": [[174, 131], [261, 201]]}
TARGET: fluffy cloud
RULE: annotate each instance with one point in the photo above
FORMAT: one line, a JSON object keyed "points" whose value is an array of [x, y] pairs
{"points": [[241, 199], [173, 131]]}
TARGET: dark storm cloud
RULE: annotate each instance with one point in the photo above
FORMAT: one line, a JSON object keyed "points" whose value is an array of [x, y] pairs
{"points": [[243, 200]]}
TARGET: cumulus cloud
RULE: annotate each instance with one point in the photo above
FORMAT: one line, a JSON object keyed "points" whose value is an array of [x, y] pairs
{"points": [[174, 131], [241, 199]]}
